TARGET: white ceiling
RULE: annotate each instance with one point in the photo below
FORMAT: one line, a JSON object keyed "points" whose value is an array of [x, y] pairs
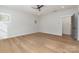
{"points": [[44, 10]]}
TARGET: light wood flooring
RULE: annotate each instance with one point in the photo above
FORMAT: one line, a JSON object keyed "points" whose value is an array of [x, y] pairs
{"points": [[39, 42]]}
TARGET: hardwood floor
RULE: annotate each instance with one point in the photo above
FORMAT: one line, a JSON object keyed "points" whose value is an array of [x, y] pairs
{"points": [[39, 42]]}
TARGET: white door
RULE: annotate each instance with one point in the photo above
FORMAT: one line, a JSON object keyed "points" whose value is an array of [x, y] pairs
{"points": [[66, 25]]}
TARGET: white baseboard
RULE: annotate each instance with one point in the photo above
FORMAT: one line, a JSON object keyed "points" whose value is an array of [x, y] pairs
{"points": [[53, 33], [12, 36]]}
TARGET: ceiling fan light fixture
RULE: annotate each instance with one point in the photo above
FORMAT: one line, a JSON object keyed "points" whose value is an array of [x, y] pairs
{"points": [[38, 7]]}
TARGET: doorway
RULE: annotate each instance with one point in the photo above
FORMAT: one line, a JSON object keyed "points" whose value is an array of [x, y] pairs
{"points": [[70, 26], [66, 25]]}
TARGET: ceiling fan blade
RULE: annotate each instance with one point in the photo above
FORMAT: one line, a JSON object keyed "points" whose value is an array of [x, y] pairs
{"points": [[38, 7], [41, 6]]}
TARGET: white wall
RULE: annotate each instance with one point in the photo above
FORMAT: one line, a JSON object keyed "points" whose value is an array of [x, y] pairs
{"points": [[21, 23], [52, 22]]}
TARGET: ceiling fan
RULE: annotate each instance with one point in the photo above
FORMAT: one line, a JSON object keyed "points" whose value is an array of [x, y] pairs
{"points": [[38, 7]]}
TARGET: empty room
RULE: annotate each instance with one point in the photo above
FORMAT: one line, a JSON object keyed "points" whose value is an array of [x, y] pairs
{"points": [[39, 29]]}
